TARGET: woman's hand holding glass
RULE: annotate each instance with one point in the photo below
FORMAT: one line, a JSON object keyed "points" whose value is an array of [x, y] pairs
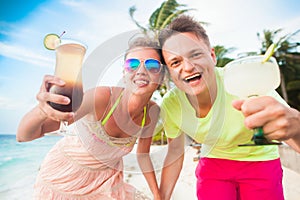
{"points": [[44, 97]]}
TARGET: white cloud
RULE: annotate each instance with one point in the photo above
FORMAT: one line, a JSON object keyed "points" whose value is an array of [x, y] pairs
{"points": [[100, 23], [24, 54], [291, 26], [4, 27], [234, 23], [7, 103]]}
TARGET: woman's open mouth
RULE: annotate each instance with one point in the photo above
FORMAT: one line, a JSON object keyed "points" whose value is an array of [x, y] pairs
{"points": [[141, 82]]}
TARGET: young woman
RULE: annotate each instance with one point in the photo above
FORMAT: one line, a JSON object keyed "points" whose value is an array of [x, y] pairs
{"points": [[108, 124]]}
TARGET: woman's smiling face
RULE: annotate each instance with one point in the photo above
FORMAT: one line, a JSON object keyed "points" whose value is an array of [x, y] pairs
{"points": [[141, 80]]}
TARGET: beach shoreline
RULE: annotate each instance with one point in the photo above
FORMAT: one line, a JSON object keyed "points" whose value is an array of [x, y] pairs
{"points": [[20, 165]]}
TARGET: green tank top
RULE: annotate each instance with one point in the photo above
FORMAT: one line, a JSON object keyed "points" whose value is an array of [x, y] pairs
{"points": [[114, 107]]}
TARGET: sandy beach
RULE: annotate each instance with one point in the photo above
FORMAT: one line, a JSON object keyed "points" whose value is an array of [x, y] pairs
{"points": [[185, 187], [16, 181]]}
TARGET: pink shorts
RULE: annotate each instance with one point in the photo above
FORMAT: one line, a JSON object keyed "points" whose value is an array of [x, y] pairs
{"points": [[221, 179]]}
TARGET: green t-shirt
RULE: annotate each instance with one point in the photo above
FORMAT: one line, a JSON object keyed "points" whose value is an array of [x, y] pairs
{"points": [[220, 131]]}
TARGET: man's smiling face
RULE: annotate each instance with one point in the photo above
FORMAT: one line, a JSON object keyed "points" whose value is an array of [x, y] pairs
{"points": [[190, 62]]}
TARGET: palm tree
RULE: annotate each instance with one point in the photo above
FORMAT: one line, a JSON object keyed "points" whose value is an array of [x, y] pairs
{"points": [[289, 62], [161, 17], [221, 53]]}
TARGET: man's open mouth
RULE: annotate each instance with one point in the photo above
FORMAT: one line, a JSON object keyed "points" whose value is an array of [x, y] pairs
{"points": [[193, 77]]}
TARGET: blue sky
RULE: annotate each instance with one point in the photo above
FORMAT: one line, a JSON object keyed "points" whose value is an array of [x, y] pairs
{"points": [[24, 60]]}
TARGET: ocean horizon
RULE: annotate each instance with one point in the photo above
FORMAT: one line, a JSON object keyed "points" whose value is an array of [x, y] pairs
{"points": [[19, 165]]}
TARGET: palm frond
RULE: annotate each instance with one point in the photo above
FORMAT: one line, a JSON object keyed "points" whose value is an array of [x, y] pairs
{"points": [[167, 8], [132, 10], [171, 17], [287, 37], [153, 18]]}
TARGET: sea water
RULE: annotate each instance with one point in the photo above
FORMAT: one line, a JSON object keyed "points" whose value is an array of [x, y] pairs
{"points": [[20, 162], [19, 165]]}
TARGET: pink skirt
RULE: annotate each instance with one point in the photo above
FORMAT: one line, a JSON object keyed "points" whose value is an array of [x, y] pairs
{"points": [[69, 172]]}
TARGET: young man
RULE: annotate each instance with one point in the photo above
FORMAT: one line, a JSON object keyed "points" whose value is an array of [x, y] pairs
{"points": [[201, 108]]}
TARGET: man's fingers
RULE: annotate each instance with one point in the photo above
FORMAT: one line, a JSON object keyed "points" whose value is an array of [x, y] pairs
{"points": [[237, 104]]}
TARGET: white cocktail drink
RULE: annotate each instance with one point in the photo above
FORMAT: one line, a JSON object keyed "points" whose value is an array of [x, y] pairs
{"points": [[249, 76]]}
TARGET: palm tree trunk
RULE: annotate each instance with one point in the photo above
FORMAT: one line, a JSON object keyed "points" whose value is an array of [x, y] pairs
{"points": [[283, 88]]}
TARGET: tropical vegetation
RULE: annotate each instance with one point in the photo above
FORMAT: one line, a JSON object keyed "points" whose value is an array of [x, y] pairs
{"points": [[288, 58], [286, 52]]}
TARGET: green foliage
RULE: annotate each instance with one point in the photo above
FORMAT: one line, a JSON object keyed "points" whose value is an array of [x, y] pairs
{"points": [[161, 17], [131, 13], [221, 53], [293, 85], [159, 139], [166, 9], [288, 60]]}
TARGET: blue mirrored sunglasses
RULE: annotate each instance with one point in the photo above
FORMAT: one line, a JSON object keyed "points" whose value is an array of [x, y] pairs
{"points": [[152, 65]]}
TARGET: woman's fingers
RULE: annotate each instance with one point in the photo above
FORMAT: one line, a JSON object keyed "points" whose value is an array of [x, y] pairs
{"points": [[50, 80], [44, 97]]}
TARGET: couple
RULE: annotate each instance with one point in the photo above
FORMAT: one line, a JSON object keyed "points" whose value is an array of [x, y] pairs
{"points": [[111, 120]]}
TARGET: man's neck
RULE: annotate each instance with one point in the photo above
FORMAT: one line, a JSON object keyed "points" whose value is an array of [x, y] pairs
{"points": [[203, 102]]}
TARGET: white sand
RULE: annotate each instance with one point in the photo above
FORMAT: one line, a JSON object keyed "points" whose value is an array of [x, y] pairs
{"points": [[186, 185], [291, 184]]}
